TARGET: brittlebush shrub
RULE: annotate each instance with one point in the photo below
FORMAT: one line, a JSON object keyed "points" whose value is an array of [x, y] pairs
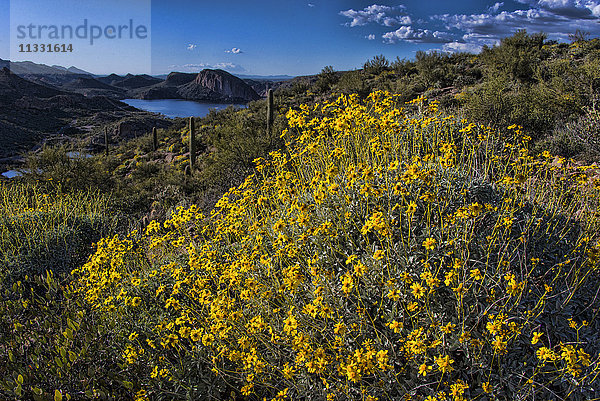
{"points": [[388, 251]]}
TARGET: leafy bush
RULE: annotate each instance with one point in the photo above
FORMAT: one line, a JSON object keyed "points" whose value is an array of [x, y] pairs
{"points": [[381, 255], [517, 56], [52, 347], [40, 232], [376, 65]]}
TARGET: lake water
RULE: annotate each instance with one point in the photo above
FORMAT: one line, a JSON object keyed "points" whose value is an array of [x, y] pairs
{"points": [[176, 107], [12, 174]]}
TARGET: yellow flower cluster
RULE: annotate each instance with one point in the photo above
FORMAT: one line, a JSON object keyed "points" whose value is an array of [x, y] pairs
{"points": [[386, 243]]}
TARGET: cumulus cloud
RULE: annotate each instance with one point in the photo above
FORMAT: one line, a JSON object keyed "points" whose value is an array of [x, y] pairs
{"points": [[470, 43], [409, 34], [584, 9], [459, 47], [557, 18], [470, 32], [311, 5], [502, 23], [378, 14], [494, 9], [191, 46], [235, 50]]}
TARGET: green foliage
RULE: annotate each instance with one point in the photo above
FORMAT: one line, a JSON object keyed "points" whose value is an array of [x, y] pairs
{"points": [[50, 342], [41, 231], [517, 56], [326, 79], [404, 67], [354, 82], [192, 144], [580, 138], [537, 84], [376, 65]]}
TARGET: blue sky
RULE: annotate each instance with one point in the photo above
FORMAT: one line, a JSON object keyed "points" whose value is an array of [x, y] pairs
{"points": [[293, 37]]}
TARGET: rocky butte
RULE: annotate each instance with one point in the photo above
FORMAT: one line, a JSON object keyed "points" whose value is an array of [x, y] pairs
{"points": [[208, 85]]}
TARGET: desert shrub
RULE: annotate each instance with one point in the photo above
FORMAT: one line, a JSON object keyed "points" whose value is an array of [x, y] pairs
{"points": [[353, 82], [234, 139], [52, 347], [376, 65], [517, 56], [500, 102], [41, 231], [435, 68], [403, 67], [55, 169], [326, 79], [580, 138], [380, 255]]}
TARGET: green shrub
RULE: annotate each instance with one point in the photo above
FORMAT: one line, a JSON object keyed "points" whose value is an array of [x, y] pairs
{"points": [[381, 254], [55, 232]]}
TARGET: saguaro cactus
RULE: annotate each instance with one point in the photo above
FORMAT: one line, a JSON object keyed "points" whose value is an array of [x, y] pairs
{"points": [[192, 145], [154, 139], [270, 110], [106, 141]]}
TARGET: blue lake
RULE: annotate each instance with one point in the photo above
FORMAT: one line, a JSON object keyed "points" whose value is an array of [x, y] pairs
{"points": [[12, 174], [176, 107]]}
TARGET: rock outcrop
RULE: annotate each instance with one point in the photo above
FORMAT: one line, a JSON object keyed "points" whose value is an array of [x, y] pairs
{"points": [[207, 86], [225, 85]]}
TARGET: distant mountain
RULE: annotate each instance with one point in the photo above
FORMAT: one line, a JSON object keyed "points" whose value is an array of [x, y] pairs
{"points": [[31, 68], [110, 79], [224, 84], [179, 78], [30, 112], [129, 81], [89, 87], [72, 70], [261, 86], [266, 77], [208, 85], [55, 76], [137, 81]]}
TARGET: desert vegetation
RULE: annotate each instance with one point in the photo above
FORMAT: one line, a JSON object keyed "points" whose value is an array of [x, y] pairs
{"points": [[424, 229]]}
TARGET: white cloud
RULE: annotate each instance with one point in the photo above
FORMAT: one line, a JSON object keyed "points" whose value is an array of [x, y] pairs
{"points": [[557, 18], [470, 32], [494, 9], [235, 50], [197, 67], [311, 5], [409, 34], [378, 14], [584, 9], [229, 67], [458, 47], [506, 23], [191, 46]]}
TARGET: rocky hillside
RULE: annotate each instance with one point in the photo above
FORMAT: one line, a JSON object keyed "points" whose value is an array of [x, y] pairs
{"points": [[225, 84], [31, 112], [129, 81], [208, 85]]}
